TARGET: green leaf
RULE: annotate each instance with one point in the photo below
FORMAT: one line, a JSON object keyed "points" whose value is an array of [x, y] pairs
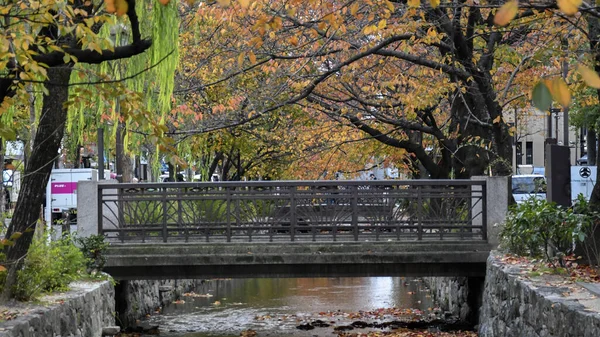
{"points": [[15, 235], [542, 99], [7, 133]]}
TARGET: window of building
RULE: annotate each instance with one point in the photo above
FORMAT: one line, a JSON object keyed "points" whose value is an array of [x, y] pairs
{"points": [[529, 153], [519, 153]]}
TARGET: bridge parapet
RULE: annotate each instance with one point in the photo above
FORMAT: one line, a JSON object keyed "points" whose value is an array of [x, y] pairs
{"points": [[286, 211]]}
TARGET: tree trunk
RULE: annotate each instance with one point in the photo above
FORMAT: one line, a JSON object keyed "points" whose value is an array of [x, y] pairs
{"points": [[591, 147], [594, 37], [120, 150], [2, 188], [37, 172]]}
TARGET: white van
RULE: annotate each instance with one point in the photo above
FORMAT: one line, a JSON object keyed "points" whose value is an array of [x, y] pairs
{"points": [[527, 186]]}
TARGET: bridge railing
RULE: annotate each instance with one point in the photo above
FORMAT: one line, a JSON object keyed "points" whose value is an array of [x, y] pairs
{"points": [[293, 211]]}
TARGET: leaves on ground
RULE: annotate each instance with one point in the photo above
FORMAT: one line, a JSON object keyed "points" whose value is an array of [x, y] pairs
{"points": [[572, 270], [7, 315], [399, 333], [193, 294]]}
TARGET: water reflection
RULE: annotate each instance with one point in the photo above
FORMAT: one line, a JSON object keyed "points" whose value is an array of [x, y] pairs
{"points": [[230, 306]]}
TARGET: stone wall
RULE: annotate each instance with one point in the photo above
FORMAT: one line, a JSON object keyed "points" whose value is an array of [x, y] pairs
{"points": [[136, 299], [518, 306], [458, 297], [81, 312]]}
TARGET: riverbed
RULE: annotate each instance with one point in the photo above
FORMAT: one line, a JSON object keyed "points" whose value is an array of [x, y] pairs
{"points": [[277, 307]]}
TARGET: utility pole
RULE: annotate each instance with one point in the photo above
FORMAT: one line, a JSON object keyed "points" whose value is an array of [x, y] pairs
{"points": [[100, 153], [565, 71]]}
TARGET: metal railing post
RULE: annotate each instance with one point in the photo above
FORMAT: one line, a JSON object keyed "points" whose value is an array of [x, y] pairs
{"points": [[484, 210], [293, 220], [165, 209], [100, 215], [228, 210], [419, 213], [355, 211]]}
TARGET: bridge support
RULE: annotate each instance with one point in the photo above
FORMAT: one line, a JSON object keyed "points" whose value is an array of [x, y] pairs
{"points": [[498, 195], [87, 207]]}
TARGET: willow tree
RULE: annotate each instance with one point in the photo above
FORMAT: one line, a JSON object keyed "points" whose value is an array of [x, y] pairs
{"points": [[44, 43]]}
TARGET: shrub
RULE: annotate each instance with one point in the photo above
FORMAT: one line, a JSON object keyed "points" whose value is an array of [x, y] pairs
{"points": [[539, 228], [589, 230], [49, 267], [93, 248]]}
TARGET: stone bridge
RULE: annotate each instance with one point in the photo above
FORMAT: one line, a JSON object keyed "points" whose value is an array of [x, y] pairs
{"points": [[295, 228]]}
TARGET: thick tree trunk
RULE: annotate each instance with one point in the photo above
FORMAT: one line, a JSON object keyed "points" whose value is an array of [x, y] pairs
{"points": [[37, 172], [2, 188], [591, 147], [502, 164], [594, 36]]}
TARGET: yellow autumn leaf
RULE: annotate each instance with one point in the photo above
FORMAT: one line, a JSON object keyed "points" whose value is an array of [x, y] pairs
{"points": [[240, 59], [224, 3], [293, 40], [560, 92], [2, 269], [354, 8], [590, 77], [244, 3], [506, 13], [390, 6], [110, 6], [434, 3], [252, 57], [122, 7], [549, 84], [382, 24], [569, 7], [414, 3], [497, 119]]}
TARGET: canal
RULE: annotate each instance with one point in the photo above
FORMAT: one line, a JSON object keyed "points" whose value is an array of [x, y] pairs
{"points": [[297, 307]]}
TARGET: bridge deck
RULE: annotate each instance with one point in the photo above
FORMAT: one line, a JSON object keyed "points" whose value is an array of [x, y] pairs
{"points": [[330, 259]]}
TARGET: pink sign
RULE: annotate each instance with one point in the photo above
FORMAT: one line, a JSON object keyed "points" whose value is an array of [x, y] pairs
{"points": [[63, 188]]}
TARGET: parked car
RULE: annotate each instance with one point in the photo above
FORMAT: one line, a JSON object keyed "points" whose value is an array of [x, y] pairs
{"points": [[583, 160], [528, 186]]}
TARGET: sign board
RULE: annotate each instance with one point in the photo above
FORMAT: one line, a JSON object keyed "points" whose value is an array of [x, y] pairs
{"points": [[583, 179]]}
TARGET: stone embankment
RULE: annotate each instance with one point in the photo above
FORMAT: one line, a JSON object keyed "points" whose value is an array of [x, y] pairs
{"points": [[84, 311], [136, 299], [517, 305], [451, 294]]}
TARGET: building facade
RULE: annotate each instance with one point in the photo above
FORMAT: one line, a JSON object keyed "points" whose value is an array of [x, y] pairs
{"points": [[532, 128]]}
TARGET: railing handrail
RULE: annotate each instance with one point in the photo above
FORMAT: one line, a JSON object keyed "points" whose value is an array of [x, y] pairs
{"points": [[278, 183], [338, 207]]}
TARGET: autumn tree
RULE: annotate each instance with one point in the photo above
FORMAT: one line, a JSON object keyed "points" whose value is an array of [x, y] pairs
{"points": [[429, 79]]}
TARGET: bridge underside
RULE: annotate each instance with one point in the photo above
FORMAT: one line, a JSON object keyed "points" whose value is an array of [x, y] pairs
{"points": [[328, 259]]}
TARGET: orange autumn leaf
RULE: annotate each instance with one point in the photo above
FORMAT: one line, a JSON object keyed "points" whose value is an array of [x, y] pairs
{"points": [[506, 13], [590, 77], [569, 7]]}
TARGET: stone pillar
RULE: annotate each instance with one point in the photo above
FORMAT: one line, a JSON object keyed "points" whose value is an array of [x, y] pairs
{"points": [[87, 207], [498, 196]]}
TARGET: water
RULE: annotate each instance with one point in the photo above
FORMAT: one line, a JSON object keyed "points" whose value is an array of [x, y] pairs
{"points": [[275, 307]]}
